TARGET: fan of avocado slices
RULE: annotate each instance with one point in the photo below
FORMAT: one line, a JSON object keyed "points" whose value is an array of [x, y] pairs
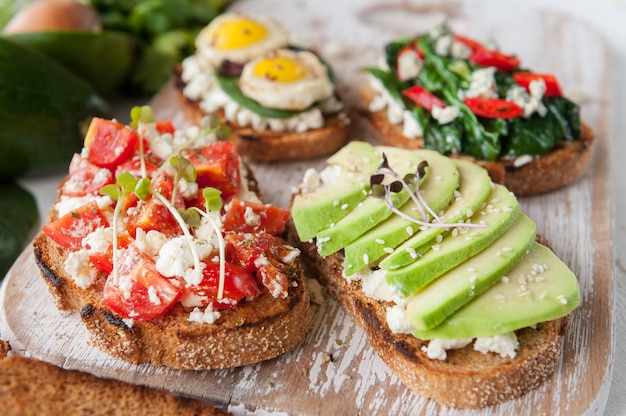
{"points": [[472, 99]]}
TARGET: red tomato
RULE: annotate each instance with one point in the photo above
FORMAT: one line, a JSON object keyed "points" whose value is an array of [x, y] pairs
{"points": [[238, 284], [470, 43], [165, 126], [70, 229], [133, 167], [102, 262], [85, 178], [110, 143], [423, 98], [141, 292], [261, 253], [553, 89], [260, 217], [490, 57], [217, 165], [151, 214], [493, 107]]}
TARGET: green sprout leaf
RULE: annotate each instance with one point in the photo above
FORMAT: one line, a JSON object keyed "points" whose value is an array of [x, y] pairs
{"points": [[191, 216], [112, 191], [143, 188], [213, 198], [141, 114], [183, 167]]}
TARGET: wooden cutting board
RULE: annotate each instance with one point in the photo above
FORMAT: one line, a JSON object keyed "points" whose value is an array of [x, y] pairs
{"points": [[334, 371]]}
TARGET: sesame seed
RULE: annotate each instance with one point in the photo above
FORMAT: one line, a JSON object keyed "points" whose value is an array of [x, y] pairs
{"points": [[507, 249], [471, 269], [439, 238], [345, 206], [388, 250], [473, 278], [411, 252], [455, 232], [409, 230], [499, 297], [540, 279], [380, 241], [506, 279], [436, 247], [562, 299], [366, 258], [336, 203], [470, 213]]}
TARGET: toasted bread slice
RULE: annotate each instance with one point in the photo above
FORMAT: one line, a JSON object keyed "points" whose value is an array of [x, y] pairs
{"points": [[33, 387], [270, 146], [561, 166], [467, 378], [253, 331]]}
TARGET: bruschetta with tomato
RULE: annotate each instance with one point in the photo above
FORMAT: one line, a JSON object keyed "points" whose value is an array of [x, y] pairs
{"points": [[159, 239], [463, 98]]}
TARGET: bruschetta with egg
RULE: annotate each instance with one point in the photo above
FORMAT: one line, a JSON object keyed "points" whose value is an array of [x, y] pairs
{"points": [[449, 93], [442, 269], [159, 240], [279, 100]]}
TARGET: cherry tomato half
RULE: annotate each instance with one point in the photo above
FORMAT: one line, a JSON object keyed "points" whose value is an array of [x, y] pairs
{"points": [[85, 178], [424, 98], [553, 89], [217, 165], [238, 284], [489, 57], [70, 229], [254, 217], [140, 292], [493, 107], [470, 43], [110, 143]]}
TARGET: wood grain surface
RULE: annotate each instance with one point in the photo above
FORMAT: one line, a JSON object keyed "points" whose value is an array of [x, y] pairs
{"points": [[334, 371]]}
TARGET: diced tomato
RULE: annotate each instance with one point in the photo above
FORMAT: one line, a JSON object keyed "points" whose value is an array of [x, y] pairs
{"points": [[470, 43], [217, 165], [165, 126], [85, 178], [490, 57], [70, 229], [254, 217], [238, 284], [151, 214], [102, 262], [133, 167], [493, 107], [140, 292], [110, 143], [553, 89], [261, 253], [424, 98]]}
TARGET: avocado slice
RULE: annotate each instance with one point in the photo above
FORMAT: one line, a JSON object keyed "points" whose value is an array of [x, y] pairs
{"points": [[474, 188], [449, 292], [437, 190], [538, 289], [315, 211], [371, 211], [461, 244]]}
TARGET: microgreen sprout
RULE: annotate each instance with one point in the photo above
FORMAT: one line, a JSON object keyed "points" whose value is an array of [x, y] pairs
{"points": [[383, 188], [183, 169], [138, 116], [213, 203], [125, 185]]}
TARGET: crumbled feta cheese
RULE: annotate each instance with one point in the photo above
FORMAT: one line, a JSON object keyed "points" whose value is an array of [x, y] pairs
{"points": [[99, 240], [375, 285], [251, 218], [446, 115], [482, 84], [398, 321], [175, 258], [436, 349], [443, 44], [311, 181], [151, 242], [209, 316], [409, 65], [77, 265], [505, 345]]}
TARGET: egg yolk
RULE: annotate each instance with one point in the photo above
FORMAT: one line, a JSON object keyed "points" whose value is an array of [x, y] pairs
{"points": [[280, 69], [237, 33]]}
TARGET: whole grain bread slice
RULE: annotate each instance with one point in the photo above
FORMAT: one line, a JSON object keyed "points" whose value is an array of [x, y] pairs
{"points": [[268, 145], [33, 387], [563, 165], [253, 331], [467, 378]]}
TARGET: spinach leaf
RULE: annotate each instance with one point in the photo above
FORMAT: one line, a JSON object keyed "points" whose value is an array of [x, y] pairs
{"points": [[19, 217], [444, 138], [230, 87], [392, 50], [532, 136], [391, 83], [568, 115]]}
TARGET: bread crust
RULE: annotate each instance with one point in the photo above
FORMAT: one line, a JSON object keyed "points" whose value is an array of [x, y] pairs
{"points": [[253, 331], [563, 165], [267, 145], [34, 387], [467, 378]]}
